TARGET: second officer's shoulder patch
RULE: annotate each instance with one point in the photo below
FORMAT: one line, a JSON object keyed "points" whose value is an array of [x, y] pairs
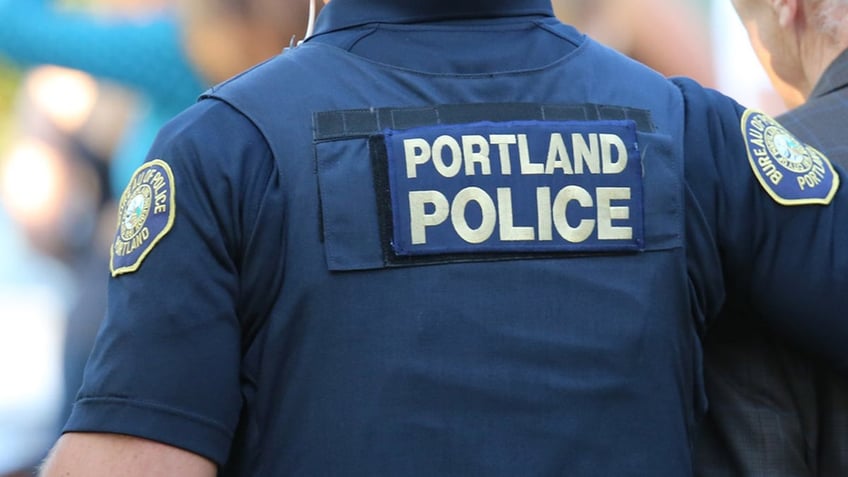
{"points": [[145, 215], [791, 172]]}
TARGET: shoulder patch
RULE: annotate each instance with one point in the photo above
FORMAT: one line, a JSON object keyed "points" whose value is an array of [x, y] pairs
{"points": [[791, 172], [145, 215]]}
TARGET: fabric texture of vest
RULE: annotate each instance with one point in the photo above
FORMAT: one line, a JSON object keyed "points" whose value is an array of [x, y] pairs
{"points": [[572, 364]]}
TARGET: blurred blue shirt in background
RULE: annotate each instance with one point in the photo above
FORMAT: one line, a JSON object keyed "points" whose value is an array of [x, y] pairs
{"points": [[34, 293]]}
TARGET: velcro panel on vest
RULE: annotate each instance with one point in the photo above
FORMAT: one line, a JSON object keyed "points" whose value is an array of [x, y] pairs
{"points": [[471, 202], [348, 124]]}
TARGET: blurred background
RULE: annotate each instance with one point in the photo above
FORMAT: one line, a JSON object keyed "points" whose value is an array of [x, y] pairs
{"points": [[85, 85]]}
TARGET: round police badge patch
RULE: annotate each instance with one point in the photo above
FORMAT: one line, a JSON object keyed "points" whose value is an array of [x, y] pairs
{"points": [[791, 172], [145, 215]]}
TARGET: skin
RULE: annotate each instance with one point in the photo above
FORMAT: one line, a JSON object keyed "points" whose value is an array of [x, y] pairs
{"points": [[101, 455], [791, 43]]}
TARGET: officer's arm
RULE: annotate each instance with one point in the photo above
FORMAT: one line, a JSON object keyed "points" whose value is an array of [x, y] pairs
{"points": [[778, 228], [96, 455]]}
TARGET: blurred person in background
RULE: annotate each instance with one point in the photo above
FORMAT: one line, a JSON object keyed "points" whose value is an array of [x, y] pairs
{"points": [[671, 36], [149, 60], [54, 186], [167, 52], [774, 410], [32, 306], [139, 48]]}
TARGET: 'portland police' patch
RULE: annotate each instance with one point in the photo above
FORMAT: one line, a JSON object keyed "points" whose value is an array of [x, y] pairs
{"points": [[792, 172], [516, 187], [145, 215]]}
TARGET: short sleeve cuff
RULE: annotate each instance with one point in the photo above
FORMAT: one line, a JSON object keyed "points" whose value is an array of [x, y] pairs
{"points": [[154, 422]]}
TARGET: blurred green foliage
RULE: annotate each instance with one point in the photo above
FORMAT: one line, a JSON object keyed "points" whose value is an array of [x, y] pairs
{"points": [[9, 80]]}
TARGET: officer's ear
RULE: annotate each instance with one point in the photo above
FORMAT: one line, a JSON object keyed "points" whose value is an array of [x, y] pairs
{"points": [[786, 10]]}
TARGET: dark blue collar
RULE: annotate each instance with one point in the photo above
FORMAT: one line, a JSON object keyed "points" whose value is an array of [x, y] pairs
{"points": [[341, 14], [835, 77]]}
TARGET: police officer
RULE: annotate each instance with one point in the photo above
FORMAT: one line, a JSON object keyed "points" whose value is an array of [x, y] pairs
{"points": [[446, 238]]}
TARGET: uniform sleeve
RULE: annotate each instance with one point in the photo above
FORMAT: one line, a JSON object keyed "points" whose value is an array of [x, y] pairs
{"points": [[166, 364], [789, 262]]}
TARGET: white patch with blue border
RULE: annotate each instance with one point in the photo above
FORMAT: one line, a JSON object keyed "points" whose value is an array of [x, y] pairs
{"points": [[791, 172], [516, 187], [145, 215]]}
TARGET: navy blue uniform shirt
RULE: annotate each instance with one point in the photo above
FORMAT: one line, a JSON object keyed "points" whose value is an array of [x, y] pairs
{"points": [[453, 238]]}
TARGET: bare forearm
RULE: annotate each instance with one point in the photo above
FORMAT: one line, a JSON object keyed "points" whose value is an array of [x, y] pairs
{"points": [[102, 455]]}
